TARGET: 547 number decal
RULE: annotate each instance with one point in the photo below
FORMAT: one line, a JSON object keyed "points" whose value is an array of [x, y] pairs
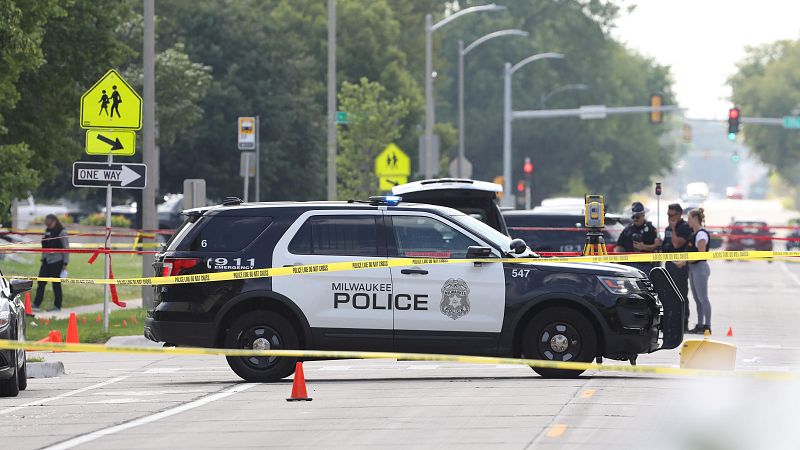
{"points": [[520, 273]]}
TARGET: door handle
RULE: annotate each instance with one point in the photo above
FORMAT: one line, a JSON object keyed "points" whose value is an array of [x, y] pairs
{"points": [[414, 272]]}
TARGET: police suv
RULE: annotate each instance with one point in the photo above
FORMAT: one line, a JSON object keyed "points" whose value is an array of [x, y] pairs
{"points": [[530, 308]]}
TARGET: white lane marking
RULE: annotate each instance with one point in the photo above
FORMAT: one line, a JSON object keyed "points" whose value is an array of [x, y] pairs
{"points": [[80, 440], [65, 394], [335, 368], [771, 346], [116, 401], [149, 393], [791, 274], [423, 367], [163, 370]]}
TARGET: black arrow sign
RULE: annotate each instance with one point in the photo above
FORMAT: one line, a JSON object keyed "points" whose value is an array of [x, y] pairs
{"points": [[115, 145]]}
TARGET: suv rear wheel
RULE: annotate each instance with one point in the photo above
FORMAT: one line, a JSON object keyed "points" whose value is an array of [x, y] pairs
{"points": [[261, 330], [559, 334]]}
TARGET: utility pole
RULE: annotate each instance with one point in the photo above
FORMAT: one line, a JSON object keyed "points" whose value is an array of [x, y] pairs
{"points": [[331, 99], [150, 152]]}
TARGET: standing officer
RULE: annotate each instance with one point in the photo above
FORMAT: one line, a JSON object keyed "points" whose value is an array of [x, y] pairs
{"points": [[639, 236], [676, 239], [54, 265]]}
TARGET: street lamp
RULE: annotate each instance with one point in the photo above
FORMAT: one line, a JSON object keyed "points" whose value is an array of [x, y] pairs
{"points": [[430, 27], [507, 116], [462, 52], [566, 87]]}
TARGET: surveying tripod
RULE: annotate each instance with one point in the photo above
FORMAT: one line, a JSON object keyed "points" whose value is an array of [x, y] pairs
{"points": [[595, 245]]}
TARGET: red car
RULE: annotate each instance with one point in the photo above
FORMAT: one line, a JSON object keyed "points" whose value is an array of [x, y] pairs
{"points": [[749, 235]]}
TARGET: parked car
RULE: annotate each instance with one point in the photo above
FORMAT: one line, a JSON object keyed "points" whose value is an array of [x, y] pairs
{"points": [[794, 234], [749, 235], [13, 366], [565, 230]]}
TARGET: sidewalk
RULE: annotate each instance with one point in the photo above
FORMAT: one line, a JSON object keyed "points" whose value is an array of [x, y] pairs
{"points": [[85, 309]]}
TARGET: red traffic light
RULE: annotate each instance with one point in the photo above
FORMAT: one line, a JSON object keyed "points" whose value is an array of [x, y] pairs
{"points": [[521, 186], [528, 167], [733, 113]]}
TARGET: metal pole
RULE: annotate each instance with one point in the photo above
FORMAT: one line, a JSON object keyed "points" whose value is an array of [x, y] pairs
{"points": [[106, 288], [459, 163], [331, 99], [149, 150], [258, 164], [528, 191], [508, 195], [246, 175], [429, 112]]}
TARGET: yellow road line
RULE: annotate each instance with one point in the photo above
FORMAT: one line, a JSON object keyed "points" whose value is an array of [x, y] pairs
{"points": [[556, 430], [587, 393]]}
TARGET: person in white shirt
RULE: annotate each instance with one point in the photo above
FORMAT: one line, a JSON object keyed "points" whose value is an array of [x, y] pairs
{"points": [[700, 271]]}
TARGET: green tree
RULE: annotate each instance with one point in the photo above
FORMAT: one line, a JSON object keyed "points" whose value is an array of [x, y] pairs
{"points": [[765, 85], [374, 124]]}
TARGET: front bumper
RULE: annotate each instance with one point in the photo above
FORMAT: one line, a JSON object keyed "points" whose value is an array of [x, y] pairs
{"points": [[635, 326]]}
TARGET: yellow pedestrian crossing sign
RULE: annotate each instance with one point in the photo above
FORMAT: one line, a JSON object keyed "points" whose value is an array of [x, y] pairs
{"points": [[111, 104], [392, 162]]}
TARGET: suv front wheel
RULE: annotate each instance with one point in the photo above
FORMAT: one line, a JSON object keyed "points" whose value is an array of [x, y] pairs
{"points": [[559, 334], [261, 330]]}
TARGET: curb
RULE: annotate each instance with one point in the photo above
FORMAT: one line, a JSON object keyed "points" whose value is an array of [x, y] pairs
{"points": [[131, 341], [45, 369]]}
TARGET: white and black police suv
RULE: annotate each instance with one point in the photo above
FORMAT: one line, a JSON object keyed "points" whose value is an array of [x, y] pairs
{"points": [[530, 308]]}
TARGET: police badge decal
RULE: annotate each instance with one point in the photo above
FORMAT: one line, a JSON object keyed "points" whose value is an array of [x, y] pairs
{"points": [[455, 298]]}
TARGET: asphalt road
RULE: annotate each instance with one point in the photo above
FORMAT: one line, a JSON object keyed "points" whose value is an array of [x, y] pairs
{"points": [[140, 401]]}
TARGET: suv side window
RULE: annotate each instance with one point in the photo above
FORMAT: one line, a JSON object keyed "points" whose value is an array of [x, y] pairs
{"points": [[418, 236], [228, 233], [349, 235]]}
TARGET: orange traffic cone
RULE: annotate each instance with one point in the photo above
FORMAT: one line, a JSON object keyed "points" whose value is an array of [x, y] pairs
{"points": [[299, 385], [124, 323], [55, 336], [28, 308], [72, 329], [730, 332], [99, 318]]}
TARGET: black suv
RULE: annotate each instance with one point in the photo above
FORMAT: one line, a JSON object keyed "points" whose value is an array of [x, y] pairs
{"points": [[558, 230], [531, 308]]}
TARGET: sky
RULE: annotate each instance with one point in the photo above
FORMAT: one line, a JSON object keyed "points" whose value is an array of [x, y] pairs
{"points": [[702, 40]]}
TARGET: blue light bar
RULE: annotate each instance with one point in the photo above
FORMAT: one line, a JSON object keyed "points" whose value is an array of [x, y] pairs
{"points": [[387, 200]]}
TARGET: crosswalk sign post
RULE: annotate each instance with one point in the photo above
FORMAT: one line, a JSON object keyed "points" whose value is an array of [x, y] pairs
{"points": [[111, 111], [392, 167]]}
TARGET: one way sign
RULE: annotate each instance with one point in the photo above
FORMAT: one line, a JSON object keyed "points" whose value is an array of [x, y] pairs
{"points": [[95, 174]]}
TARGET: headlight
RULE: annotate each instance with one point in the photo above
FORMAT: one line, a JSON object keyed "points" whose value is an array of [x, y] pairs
{"points": [[5, 313], [619, 285]]}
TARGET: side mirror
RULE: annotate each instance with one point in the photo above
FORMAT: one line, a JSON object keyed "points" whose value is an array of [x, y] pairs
{"points": [[518, 246], [478, 252], [20, 286]]}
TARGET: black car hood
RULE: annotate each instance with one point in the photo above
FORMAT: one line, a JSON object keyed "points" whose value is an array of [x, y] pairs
{"points": [[606, 269]]}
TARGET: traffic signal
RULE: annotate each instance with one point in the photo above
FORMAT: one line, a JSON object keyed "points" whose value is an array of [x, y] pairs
{"points": [[687, 133], [735, 155], [733, 122], [528, 166], [656, 101], [521, 186]]}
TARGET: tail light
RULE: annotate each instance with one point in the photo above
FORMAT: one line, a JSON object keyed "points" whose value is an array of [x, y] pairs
{"points": [[178, 266]]}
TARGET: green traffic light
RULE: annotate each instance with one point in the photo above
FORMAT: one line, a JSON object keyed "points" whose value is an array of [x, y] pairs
{"points": [[735, 158], [731, 136]]}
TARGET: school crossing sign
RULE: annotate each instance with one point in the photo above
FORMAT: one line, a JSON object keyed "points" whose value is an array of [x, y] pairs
{"points": [[111, 104]]}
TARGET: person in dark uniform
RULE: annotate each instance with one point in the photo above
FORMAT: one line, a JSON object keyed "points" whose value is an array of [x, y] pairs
{"points": [[639, 236], [54, 265], [676, 239]]}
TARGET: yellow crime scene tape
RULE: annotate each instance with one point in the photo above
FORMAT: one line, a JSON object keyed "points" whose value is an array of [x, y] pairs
{"points": [[405, 262], [328, 354]]}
